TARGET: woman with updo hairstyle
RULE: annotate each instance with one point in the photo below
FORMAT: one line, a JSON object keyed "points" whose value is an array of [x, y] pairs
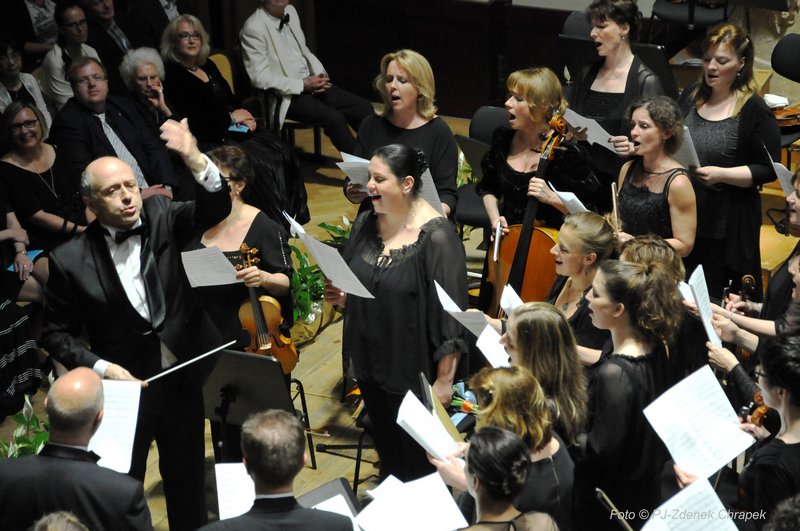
{"points": [[539, 338], [408, 116], [619, 452], [511, 398], [497, 470], [585, 241], [398, 249], [734, 133]]}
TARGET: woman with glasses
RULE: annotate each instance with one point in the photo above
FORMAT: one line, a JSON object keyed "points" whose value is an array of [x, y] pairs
{"points": [[196, 87], [41, 186], [71, 45], [16, 85]]}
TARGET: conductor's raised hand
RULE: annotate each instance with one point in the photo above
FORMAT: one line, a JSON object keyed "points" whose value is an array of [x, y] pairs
{"points": [[333, 295], [117, 372], [180, 139]]}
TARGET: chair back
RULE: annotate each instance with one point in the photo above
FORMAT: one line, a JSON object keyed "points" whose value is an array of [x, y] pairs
{"points": [[577, 25], [784, 57], [223, 64], [485, 121]]}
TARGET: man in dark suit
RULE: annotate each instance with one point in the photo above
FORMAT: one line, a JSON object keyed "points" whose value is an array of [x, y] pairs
{"points": [[122, 281], [154, 15], [273, 445], [65, 475], [82, 136]]}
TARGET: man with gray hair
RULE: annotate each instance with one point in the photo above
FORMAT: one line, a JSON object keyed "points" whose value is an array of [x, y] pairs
{"points": [[65, 475], [273, 445]]}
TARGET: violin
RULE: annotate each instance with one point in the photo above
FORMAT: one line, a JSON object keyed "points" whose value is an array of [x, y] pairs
{"points": [[261, 318], [788, 116], [524, 260], [756, 409]]}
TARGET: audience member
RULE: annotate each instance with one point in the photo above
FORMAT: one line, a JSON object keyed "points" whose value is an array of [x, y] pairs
{"points": [[33, 25], [93, 125], [655, 193], [59, 521], [734, 133], [196, 88], [407, 89], [121, 285], [71, 47], [142, 72], [273, 445], [42, 186], [276, 57], [16, 85], [154, 15], [65, 475]]}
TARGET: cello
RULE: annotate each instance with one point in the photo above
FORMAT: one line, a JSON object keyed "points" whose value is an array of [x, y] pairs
{"points": [[524, 261], [261, 318]]}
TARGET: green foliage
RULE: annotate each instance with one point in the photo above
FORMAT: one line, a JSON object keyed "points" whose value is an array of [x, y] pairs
{"points": [[308, 285], [29, 437], [338, 234]]}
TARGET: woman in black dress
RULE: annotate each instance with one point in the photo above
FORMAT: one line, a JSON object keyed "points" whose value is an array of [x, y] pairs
{"points": [[397, 250], [620, 453]]}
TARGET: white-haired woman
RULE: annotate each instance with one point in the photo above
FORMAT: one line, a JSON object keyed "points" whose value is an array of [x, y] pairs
{"points": [[142, 71]]}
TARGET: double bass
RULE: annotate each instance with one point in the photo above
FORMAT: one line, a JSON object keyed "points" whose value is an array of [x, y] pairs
{"points": [[524, 261], [261, 318]]}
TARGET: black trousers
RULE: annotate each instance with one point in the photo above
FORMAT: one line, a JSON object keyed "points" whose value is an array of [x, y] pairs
{"points": [[171, 411], [334, 110]]}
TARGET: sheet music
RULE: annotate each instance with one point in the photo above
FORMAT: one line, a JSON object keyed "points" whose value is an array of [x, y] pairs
{"points": [[700, 291], [388, 487], [472, 321], [347, 157], [697, 499], [489, 344], [337, 505], [113, 441], [357, 171], [208, 267], [697, 424], [428, 191], [570, 200], [784, 175], [331, 263], [509, 299], [424, 503], [236, 491], [425, 428], [687, 154], [596, 133], [686, 291]]}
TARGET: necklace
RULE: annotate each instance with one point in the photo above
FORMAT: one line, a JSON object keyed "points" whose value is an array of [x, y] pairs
{"points": [[567, 302], [655, 172], [724, 102], [52, 185], [619, 75]]}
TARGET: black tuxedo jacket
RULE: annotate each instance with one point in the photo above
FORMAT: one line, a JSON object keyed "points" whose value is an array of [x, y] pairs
{"points": [[79, 134], [68, 479], [85, 291], [282, 514], [110, 52]]}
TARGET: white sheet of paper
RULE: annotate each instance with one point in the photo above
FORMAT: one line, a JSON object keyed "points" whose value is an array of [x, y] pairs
{"points": [[357, 171], [498, 233], [347, 157], [429, 193], [509, 299], [686, 291], [784, 175], [113, 441], [698, 498], [208, 267], [388, 487], [700, 291], [424, 427], [337, 505], [687, 154], [570, 200], [424, 503], [472, 321], [697, 424], [236, 491], [596, 133], [331, 263], [489, 344]]}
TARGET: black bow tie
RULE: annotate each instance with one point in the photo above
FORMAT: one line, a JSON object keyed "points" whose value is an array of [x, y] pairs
{"points": [[122, 235], [284, 21]]}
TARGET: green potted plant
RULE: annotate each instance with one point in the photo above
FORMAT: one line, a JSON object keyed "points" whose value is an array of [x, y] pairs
{"points": [[29, 436]]}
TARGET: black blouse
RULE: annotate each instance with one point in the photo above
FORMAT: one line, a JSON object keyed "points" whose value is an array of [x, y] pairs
{"points": [[586, 334], [642, 211], [771, 476]]}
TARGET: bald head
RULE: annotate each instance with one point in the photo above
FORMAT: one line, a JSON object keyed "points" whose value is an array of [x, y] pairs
{"points": [[110, 190], [73, 406]]}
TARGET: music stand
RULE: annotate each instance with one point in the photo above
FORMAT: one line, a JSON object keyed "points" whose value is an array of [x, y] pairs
{"points": [[473, 150], [242, 384], [579, 51], [329, 490]]}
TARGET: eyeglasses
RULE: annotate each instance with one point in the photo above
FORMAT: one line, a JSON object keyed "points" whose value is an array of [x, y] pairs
{"points": [[185, 36], [759, 373], [77, 24], [151, 79], [27, 124], [95, 77]]}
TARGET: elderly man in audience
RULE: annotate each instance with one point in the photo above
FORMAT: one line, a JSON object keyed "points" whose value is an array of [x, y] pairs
{"points": [[94, 124], [273, 446], [65, 475], [276, 57], [121, 285]]}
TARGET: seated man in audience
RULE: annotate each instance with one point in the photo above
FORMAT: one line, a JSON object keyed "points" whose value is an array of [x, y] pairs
{"points": [[65, 475], [273, 446], [154, 15], [93, 124], [276, 57]]}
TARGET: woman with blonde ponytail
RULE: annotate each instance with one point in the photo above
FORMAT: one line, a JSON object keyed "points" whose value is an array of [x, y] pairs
{"points": [[620, 453]]}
